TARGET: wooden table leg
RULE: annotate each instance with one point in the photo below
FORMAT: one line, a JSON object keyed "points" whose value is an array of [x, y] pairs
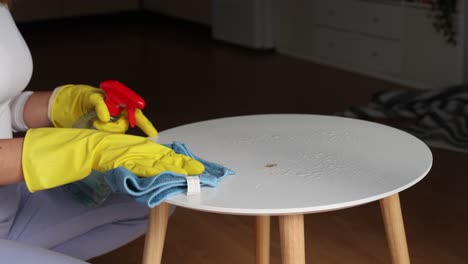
{"points": [[395, 229], [155, 234], [292, 239], [263, 239]]}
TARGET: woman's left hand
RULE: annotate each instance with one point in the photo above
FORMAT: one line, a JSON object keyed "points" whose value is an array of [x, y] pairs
{"points": [[69, 103]]}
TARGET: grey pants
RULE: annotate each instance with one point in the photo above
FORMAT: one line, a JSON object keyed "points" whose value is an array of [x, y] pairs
{"points": [[52, 219]]}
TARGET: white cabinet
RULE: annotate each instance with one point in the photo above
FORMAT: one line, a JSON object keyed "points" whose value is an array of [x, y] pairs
{"points": [[365, 36], [387, 39], [243, 22]]}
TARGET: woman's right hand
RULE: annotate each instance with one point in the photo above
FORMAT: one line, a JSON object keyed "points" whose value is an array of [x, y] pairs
{"points": [[56, 156]]}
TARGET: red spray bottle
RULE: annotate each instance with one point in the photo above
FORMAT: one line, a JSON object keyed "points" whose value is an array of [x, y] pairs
{"points": [[118, 97], [93, 190]]}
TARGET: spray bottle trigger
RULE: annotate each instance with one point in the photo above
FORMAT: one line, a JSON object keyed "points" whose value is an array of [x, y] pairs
{"points": [[118, 97], [131, 116]]}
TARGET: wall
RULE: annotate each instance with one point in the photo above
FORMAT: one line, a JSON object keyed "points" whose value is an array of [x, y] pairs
{"points": [[198, 11], [31, 10]]}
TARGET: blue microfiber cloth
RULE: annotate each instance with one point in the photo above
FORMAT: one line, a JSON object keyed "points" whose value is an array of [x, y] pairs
{"points": [[152, 191]]}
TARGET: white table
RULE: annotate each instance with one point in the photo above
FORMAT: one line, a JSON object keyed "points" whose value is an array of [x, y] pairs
{"points": [[289, 165]]}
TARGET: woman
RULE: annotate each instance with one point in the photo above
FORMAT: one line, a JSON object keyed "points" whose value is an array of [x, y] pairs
{"points": [[32, 210]]}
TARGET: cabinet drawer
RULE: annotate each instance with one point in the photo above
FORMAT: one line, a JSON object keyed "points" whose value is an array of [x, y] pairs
{"points": [[378, 19], [376, 54], [333, 45], [358, 51], [333, 13]]}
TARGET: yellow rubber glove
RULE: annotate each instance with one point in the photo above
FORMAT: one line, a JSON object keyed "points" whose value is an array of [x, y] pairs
{"points": [[71, 102], [57, 156]]}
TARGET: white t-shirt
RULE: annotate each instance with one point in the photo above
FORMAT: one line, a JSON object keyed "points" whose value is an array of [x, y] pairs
{"points": [[15, 68], [15, 73]]}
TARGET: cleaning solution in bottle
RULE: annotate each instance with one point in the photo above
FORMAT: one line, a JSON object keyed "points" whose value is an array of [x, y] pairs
{"points": [[94, 190]]}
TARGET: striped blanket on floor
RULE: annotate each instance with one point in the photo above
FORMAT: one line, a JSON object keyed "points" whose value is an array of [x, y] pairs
{"points": [[439, 117]]}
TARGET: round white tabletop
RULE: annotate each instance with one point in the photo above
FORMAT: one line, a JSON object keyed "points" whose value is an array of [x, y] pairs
{"points": [[295, 164]]}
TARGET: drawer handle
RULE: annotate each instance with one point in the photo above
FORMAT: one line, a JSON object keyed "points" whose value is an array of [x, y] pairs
{"points": [[374, 54], [375, 20]]}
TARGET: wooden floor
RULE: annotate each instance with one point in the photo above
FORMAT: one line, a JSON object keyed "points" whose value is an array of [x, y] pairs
{"points": [[186, 77]]}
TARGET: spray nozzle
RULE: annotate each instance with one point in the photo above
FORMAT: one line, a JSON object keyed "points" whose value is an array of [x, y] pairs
{"points": [[119, 97]]}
